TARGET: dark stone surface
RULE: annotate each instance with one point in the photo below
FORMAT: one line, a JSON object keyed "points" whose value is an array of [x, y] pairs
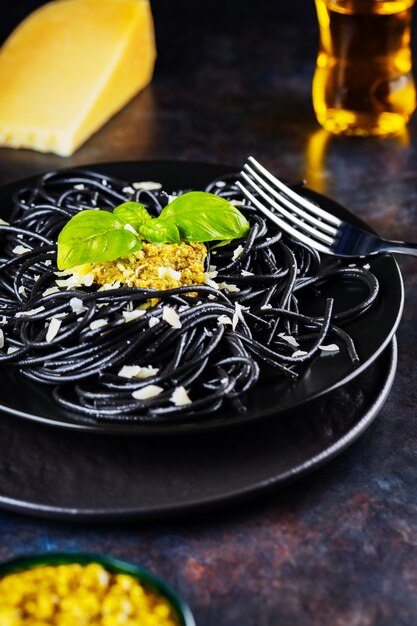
{"points": [[338, 548]]}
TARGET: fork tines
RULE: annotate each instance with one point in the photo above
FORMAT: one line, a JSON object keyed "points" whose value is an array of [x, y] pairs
{"points": [[294, 213]]}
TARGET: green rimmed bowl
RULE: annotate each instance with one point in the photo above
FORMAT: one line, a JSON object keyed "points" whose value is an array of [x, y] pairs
{"points": [[182, 612]]}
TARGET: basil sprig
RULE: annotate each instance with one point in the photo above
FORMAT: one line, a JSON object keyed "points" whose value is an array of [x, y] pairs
{"points": [[97, 236]]}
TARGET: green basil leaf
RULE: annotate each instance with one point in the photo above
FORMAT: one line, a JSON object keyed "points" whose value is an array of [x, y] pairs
{"points": [[132, 213], [160, 230], [93, 235], [203, 216]]}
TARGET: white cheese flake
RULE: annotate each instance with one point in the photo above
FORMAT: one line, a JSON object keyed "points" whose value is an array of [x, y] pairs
{"points": [[171, 317], [298, 353], [12, 349], [229, 287], [180, 397], [133, 315], [20, 250], [3, 223], [332, 347], [366, 266], [150, 391], [77, 305], [22, 291], [237, 252], [50, 291], [107, 286], [30, 312], [238, 314], [53, 329], [265, 307], [208, 279], [211, 296], [289, 339], [79, 186], [223, 320], [169, 272], [1, 339], [136, 371], [153, 321], [98, 324], [48, 262], [128, 189], [147, 185], [246, 273], [88, 279]]}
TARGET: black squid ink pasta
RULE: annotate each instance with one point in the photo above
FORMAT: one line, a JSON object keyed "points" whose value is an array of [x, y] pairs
{"points": [[247, 321]]}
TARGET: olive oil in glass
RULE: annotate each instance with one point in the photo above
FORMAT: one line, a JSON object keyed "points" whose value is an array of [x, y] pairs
{"points": [[363, 83]]}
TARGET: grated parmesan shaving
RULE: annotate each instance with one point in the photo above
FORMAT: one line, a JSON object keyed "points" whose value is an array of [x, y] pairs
{"points": [[332, 347], [148, 185], [1, 339], [180, 397], [30, 312], [224, 319], [265, 307], [238, 314], [171, 316], [289, 339], [136, 371], [4, 223], [168, 272], [366, 266], [298, 353], [133, 315], [20, 250], [128, 189], [98, 324], [237, 252], [79, 186], [50, 291], [77, 306], [150, 391], [12, 349], [153, 321], [53, 329], [229, 287], [246, 273]]}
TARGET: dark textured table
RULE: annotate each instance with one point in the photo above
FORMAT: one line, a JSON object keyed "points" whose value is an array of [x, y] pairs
{"points": [[337, 548]]}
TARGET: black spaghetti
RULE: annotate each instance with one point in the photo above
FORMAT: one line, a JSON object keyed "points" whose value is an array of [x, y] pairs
{"points": [[249, 320]]}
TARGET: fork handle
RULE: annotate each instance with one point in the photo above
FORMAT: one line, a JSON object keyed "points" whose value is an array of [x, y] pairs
{"points": [[398, 247]]}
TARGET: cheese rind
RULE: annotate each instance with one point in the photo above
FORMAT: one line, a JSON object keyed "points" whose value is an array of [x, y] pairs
{"points": [[69, 67]]}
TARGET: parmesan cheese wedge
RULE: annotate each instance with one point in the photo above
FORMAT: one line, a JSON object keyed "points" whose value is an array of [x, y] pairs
{"points": [[69, 67]]}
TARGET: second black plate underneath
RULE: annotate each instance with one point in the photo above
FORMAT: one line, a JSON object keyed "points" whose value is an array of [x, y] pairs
{"points": [[78, 476]]}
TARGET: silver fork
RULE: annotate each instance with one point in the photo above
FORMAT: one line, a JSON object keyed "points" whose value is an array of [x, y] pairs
{"points": [[306, 221]]}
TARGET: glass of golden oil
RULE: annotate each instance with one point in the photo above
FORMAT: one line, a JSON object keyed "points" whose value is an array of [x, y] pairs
{"points": [[363, 82]]}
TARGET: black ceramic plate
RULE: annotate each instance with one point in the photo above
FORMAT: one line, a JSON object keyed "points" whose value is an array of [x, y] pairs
{"points": [[371, 333], [49, 472]]}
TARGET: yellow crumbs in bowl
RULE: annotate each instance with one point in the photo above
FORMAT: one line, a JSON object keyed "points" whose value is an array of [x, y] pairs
{"points": [[155, 266], [79, 595]]}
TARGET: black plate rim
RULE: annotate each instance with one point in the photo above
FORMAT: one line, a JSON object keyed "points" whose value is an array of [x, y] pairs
{"points": [[214, 502], [219, 423]]}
